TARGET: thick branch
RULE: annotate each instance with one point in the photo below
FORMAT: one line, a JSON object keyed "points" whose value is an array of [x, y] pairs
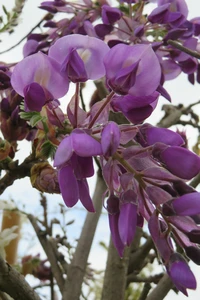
{"points": [[115, 275], [14, 284], [162, 289], [136, 261], [16, 172], [76, 271]]}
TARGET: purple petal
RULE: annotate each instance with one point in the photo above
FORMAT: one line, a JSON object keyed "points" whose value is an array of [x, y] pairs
{"points": [[124, 79], [182, 276], [157, 195], [193, 253], [68, 186], [81, 114], [74, 67], [162, 135], [122, 56], [85, 195], [85, 145], [90, 49], [136, 109], [83, 166], [30, 47], [110, 138], [181, 162], [41, 69], [34, 97], [63, 152], [128, 102], [113, 222], [110, 14], [187, 205], [170, 69], [127, 222], [160, 238]]}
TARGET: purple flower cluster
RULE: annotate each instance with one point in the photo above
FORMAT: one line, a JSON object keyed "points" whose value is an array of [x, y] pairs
{"points": [[145, 167]]}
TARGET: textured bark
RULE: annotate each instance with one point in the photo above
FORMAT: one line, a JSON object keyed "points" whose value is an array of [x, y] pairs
{"points": [[14, 284], [162, 289], [77, 268], [114, 285]]}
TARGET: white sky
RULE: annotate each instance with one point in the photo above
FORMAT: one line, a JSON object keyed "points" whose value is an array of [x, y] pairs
{"points": [[180, 90]]}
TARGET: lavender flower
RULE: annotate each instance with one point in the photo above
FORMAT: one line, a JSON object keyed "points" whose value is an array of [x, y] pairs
{"points": [[80, 57], [127, 70], [38, 80], [73, 158]]}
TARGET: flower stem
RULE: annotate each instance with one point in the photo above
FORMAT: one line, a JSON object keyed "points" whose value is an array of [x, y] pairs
{"points": [[109, 97], [76, 95], [180, 47]]}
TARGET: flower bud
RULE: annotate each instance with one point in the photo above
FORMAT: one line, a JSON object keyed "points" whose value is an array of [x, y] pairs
{"points": [[45, 178]]}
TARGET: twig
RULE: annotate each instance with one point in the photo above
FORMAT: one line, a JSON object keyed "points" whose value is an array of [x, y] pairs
{"points": [[180, 47], [47, 246], [150, 279], [14, 284], [145, 291], [46, 17], [138, 257]]}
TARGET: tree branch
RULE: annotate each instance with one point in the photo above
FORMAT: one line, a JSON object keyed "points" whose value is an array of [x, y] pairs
{"points": [[114, 285], [46, 17], [162, 289], [16, 171], [47, 246], [14, 284], [76, 271]]}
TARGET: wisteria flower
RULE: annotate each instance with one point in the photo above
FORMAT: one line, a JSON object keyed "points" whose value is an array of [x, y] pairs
{"points": [[180, 273], [73, 158], [80, 57], [38, 80], [132, 70]]}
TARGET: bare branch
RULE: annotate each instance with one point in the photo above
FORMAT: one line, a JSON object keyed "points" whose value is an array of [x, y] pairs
{"points": [[47, 246], [76, 271], [114, 285], [46, 17], [145, 291], [14, 284], [162, 289], [16, 172]]}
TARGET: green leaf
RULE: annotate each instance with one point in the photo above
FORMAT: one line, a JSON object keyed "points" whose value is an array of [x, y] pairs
{"points": [[35, 119], [32, 116], [5, 10], [27, 115], [48, 150]]}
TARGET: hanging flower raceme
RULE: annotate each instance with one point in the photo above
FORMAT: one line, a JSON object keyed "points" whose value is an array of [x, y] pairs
{"points": [[80, 57], [37, 78], [73, 158]]}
